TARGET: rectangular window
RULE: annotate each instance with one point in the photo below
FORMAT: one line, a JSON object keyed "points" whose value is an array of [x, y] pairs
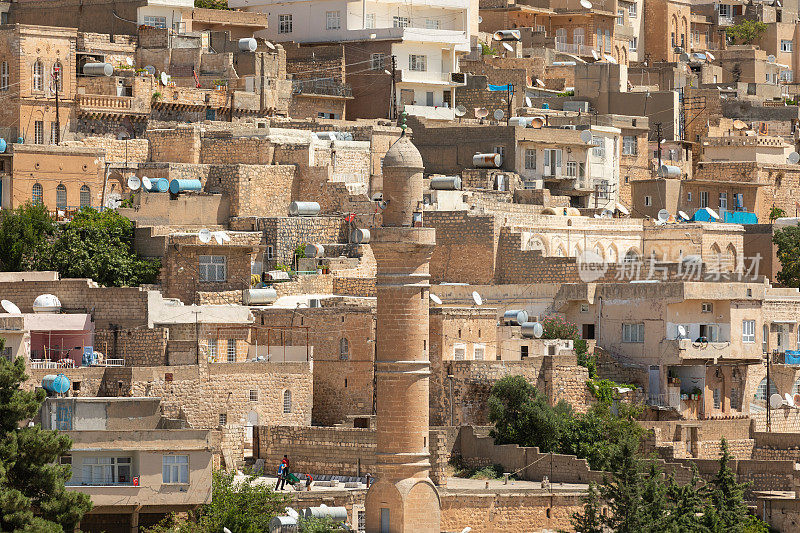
{"points": [[689, 197], [707, 307], [417, 62], [479, 352], [223, 419], [786, 45], [633, 44], [231, 350], [648, 201], [723, 200], [106, 471], [333, 20], [621, 16], [632, 11], [5, 77], [155, 22], [175, 469], [212, 349], [588, 331], [400, 22], [629, 146], [377, 61], [603, 189], [369, 22], [253, 395], [284, 24], [608, 40], [459, 352], [710, 332], [735, 398], [523, 352], [212, 268], [599, 149], [530, 159], [717, 399], [432, 24], [54, 133], [361, 526], [552, 162], [632, 332], [725, 11], [749, 331], [572, 169], [38, 132], [703, 199]]}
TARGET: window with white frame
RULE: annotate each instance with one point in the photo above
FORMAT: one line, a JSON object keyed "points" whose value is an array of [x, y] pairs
{"points": [[621, 16], [723, 200], [603, 189], [106, 470], [377, 61], [629, 146], [333, 20], [284, 24], [707, 307], [38, 132], [633, 332], [418, 62], [599, 149], [608, 40], [787, 76], [287, 402], [479, 352], [764, 338], [577, 36], [432, 24], [231, 350], [552, 162], [61, 196], [749, 331], [212, 349], [786, 45], [155, 22], [530, 159], [213, 268], [369, 22], [725, 11], [561, 35], [633, 44], [459, 352], [400, 22], [572, 169], [703, 199], [761, 390], [175, 469], [5, 76], [632, 11], [54, 133]]}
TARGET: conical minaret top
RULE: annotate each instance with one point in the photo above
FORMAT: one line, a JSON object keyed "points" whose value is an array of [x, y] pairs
{"points": [[402, 182]]}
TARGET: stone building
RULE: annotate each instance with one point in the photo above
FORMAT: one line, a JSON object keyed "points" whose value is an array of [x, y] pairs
{"points": [[319, 81]]}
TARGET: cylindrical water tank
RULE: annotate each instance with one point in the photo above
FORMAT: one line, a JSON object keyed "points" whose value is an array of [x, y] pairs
{"points": [[304, 209], [487, 160], [282, 524], [520, 121], [178, 185], [58, 384], [159, 185], [359, 236], [531, 329], [98, 69], [669, 171], [507, 35], [562, 64], [47, 303], [339, 514], [515, 317], [248, 44], [260, 296], [446, 183], [314, 250], [3, 145]]}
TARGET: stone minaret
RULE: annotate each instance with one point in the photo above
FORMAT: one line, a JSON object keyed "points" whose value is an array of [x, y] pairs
{"points": [[403, 499]]}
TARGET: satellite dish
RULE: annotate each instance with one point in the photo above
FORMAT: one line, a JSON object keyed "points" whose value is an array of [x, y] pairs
{"points": [[610, 59], [146, 183], [218, 238], [435, 299], [477, 298], [713, 213], [739, 125], [498, 114], [460, 110], [770, 58], [683, 215], [269, 45], [528, 102], [607, 213], [129, 61], [776, 401], [377, 197], [597, 216], [382, 204], [663, 215], [481, 112], [150, 70], [539, 82], [595, 55], [508, 47], [710, 56], [793, 158], [134, 183], [10, 307], [684, 57], [164, 78], [789, 399], [682, 332], [204, 235], [586, 4], [586, 136], [480, 19]]}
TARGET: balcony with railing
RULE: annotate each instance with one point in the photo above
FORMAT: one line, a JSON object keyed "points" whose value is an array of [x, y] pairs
{"points": [[578, 49], [331, 88], [424, 76], [104, 102]]}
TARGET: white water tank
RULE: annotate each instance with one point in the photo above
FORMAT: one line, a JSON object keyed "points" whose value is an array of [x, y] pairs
{"points": [[359, 236], [98, 69], [47, 303], [308, 209], [487, 160], [515, 317], [263, 296], [248, 44]]}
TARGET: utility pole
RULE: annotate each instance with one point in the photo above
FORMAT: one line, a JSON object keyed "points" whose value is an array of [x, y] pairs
{"points": [[658, 140], [510, 95], [393, 109], [56, 81]]}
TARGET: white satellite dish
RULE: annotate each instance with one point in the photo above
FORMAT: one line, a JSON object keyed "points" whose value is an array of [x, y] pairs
{"points": [[528, 102], [770, 58], [218, 238], [10, 307], [776, 401], [460, 111], [682, 332], [710, 56], [539, 82], [164, 78], [610, 59], [269, 45], [481, 112], [508, 47], [146, 183], [586, 136], [134, 183], [129, 61], [713, 213], [435, 299], [204, 235], [789, 399], [595, 55], [597, 216], [498, 114], [793, 158], [150, 70], [477, 298], [480, 19], [663, 215], [683, 215], [586, 4]]}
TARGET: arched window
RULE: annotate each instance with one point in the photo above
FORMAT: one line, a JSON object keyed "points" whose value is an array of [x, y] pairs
{"points": [[86, 196], [344, 349], [37, 194], [58, 76], [61, 197], [631, 256], [761, 390], [38, 75], [287, 401]]}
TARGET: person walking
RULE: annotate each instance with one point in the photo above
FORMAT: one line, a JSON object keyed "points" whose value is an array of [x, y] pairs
{"points": [[282, 468]]}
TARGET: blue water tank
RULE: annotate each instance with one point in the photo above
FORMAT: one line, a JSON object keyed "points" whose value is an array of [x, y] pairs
{"points": [[3, 145], [20, 140], [176, 185], [159, 185], [58, 384]]}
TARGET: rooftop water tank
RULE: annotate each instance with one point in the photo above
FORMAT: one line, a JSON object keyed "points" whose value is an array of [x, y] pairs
{"points": [[669, 171], [314, 250], [359, 236], [304, 209], [47, 303], [283, 524], [487, 160], [248, 44], [515, 317], [339, 514], [58, 384], [98, 69], [178, 185], [531, 329], [3, 145], [446, 183], [263, 296], [159, 185]]}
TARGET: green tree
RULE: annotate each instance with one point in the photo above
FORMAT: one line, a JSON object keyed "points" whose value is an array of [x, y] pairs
{"points": [[788, 242], [555, 327], [746, 32], [686, 506], [726, 510], [775, 213], [22, 232], [319, 525], [212, 4], [591, 519], [624, 490], [32, 493]]}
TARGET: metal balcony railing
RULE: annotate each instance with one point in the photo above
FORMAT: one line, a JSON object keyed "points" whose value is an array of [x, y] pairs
{"points": [[322, 87]]}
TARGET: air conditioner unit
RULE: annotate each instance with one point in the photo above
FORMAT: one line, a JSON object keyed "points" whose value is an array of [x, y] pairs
{"points": [[458, 77]]}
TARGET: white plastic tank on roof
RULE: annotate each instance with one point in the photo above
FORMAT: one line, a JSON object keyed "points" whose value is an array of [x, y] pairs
{"points": [[47, 303]]}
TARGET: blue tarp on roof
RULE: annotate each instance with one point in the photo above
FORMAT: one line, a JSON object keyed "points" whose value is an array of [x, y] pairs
{"points": [[740, 217], [703, 215], [497, 87], [792, 357]]}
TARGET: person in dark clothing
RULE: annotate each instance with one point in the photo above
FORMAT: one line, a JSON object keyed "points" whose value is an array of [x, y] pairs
{"points": [[282, 469], [309, 481]]}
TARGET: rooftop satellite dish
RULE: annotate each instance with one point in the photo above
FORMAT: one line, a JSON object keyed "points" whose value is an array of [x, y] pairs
{"points": [[684, 57], [586, 4], [218, 238], [204, 235], [537, 122], [460, 110], [663, 215], [164, 78], [710, 56], [146, 183], [610, 59], [595, 55], [150, 70], [498, 114], [480, 19], [528, 102], [269, 45], [597, 216], [539, 82], [713, 213], [508, 47], [739, 125], [793, 158], [789, 399], [683, 215], [586, 136], [10, 307], [477, 298], [377, 197], [435, 299], [776, 401], [129, 61], [481, 112], [134, 183], [682, 332], [770, 58], [538, 330], [607, 213]]}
